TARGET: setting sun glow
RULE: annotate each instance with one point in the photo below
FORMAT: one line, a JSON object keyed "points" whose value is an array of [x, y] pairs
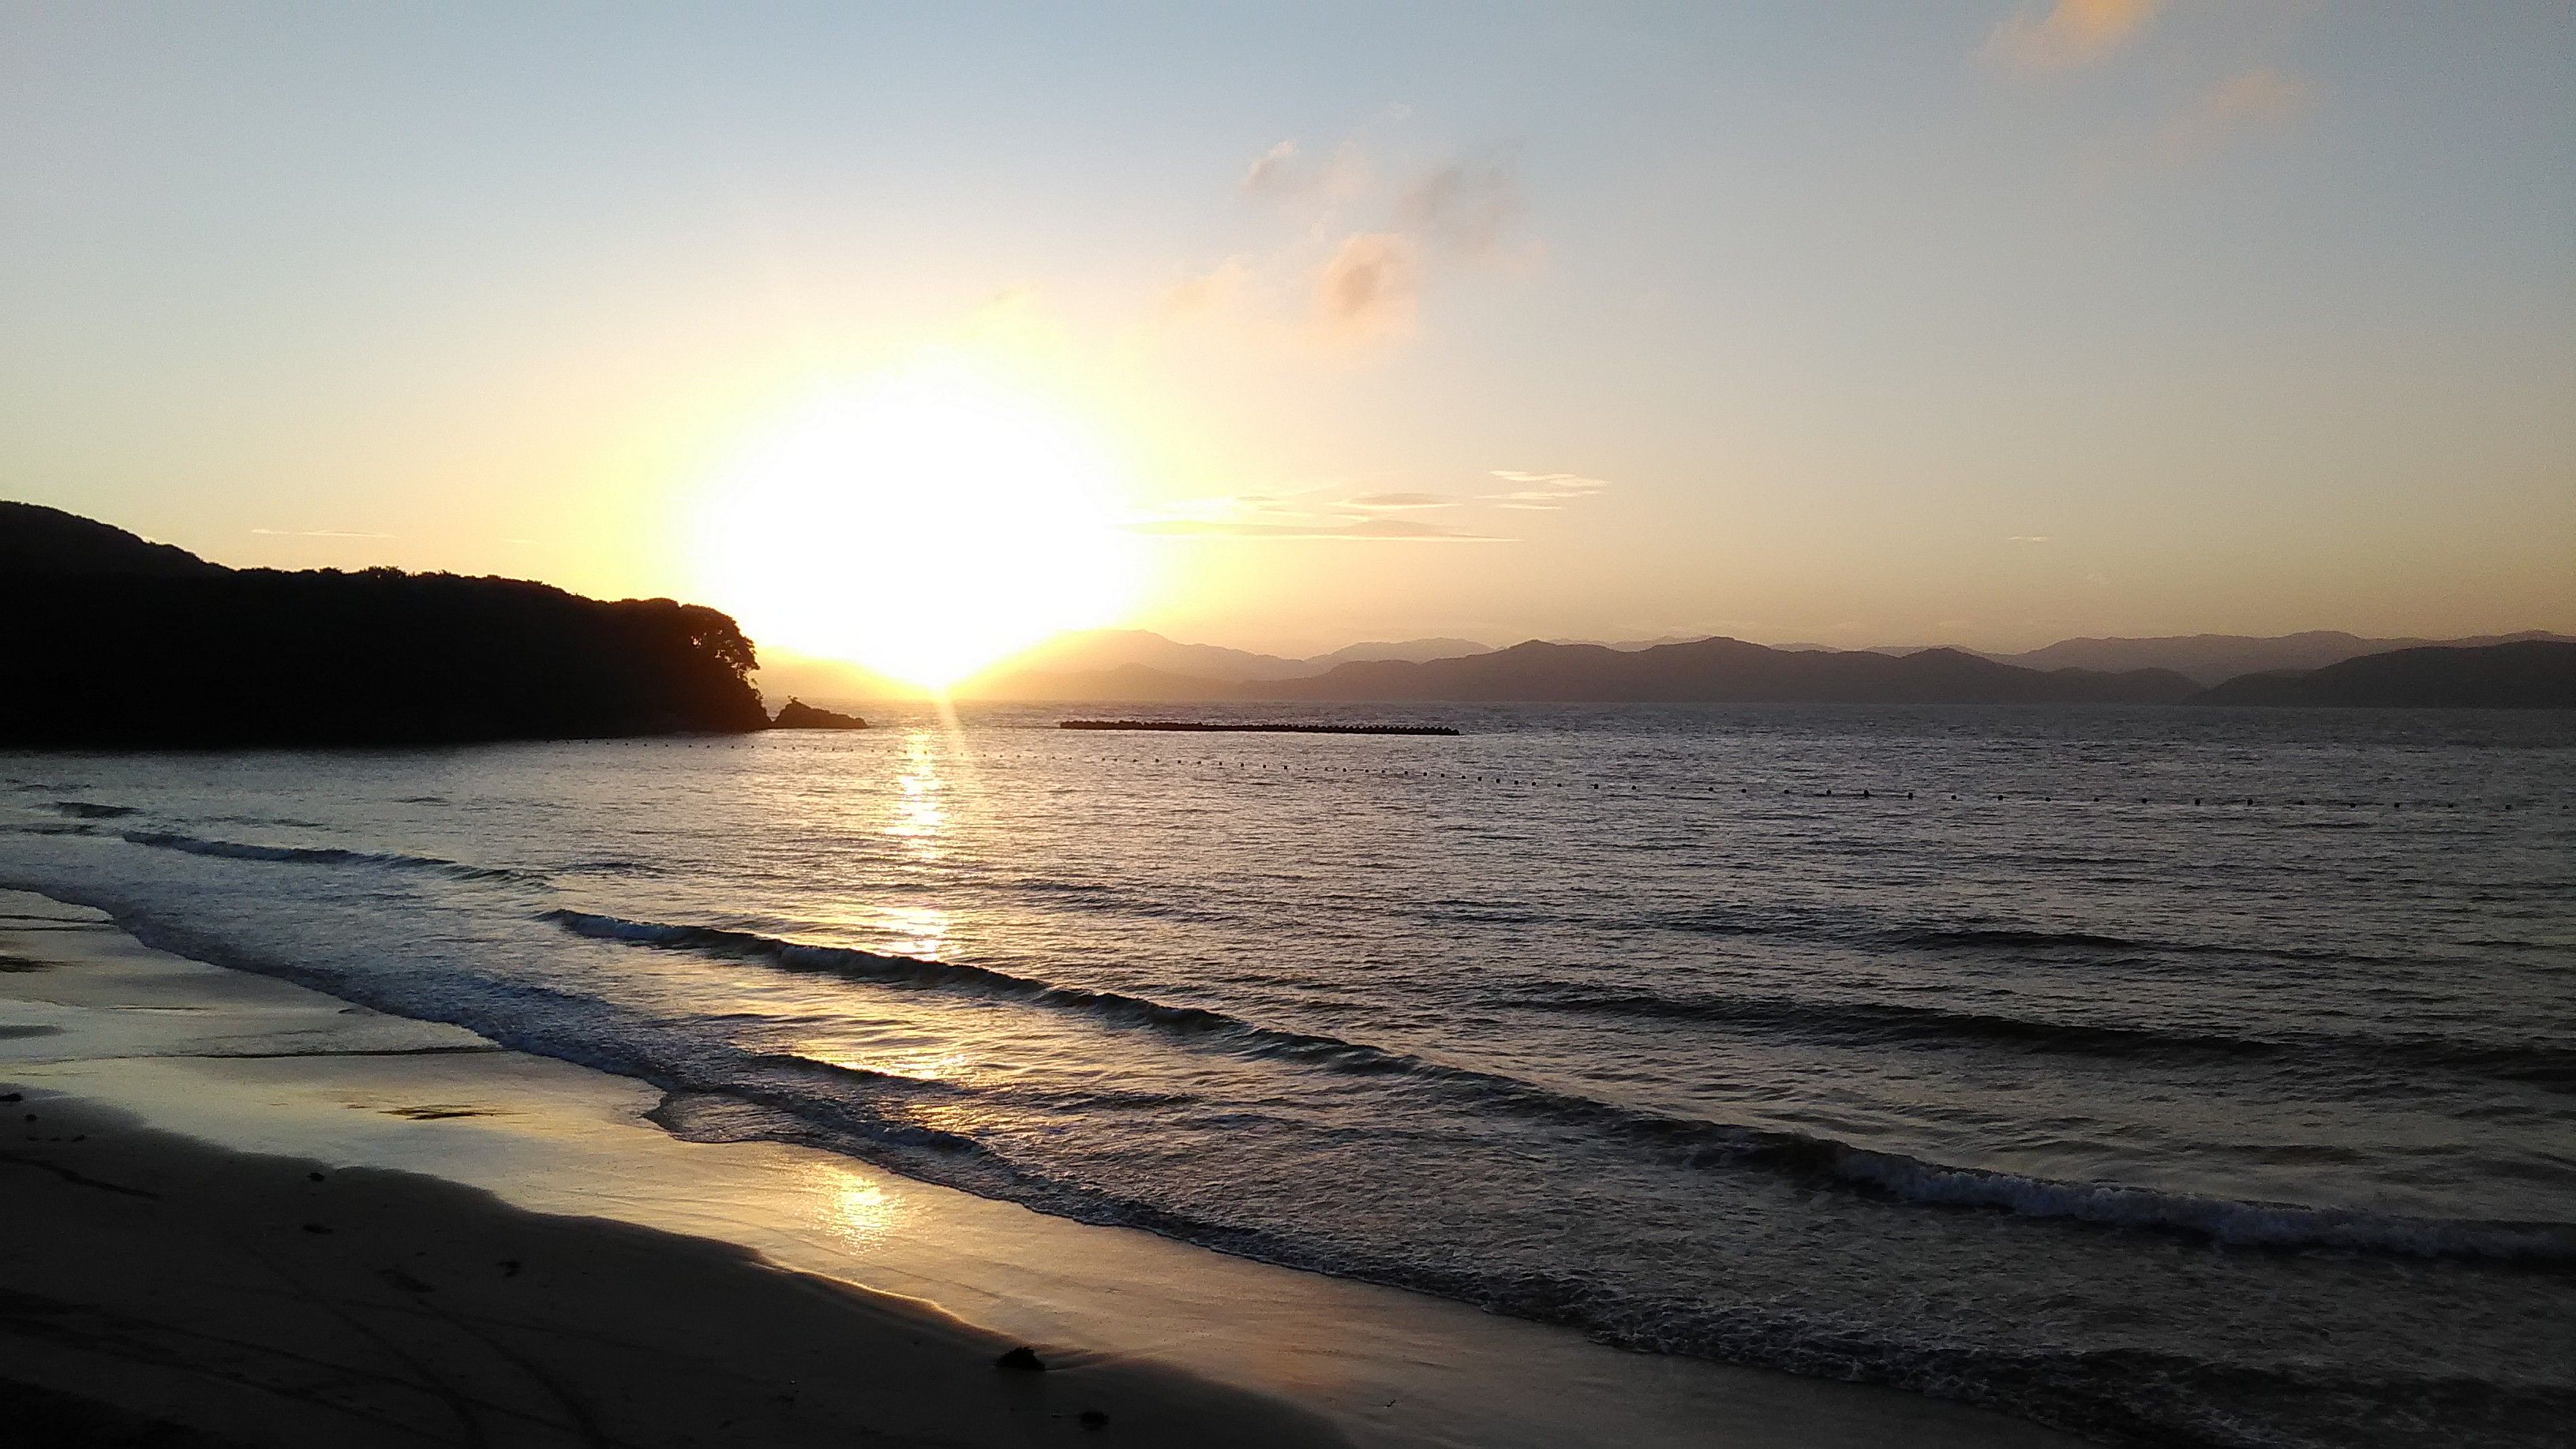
{"points": [[924, 524]]}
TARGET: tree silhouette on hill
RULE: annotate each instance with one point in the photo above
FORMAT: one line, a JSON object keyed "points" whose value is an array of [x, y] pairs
{"points": [[138, 645]]}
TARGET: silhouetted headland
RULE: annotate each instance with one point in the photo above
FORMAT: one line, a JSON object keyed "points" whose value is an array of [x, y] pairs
{"points": [[2530, 674], [108, 641], [1214, 727], [796, 714]]}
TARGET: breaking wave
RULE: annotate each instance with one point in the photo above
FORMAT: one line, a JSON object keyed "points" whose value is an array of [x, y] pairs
{"points": [[1698, 1142], [321, 855]]}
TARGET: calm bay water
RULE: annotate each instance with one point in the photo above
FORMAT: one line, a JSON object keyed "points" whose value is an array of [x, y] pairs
{"points": [[2196, 1076]]}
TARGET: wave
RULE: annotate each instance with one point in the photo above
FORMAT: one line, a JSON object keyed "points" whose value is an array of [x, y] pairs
{"points": [[2119, 1394], [1876, 1022], [2223, 1220], [1112, 1006], [84, 810], [320, 855], [607, 867], [1694, 1142], [1869, 1022], [1721, 919], [2093, 948], [2008, 938]]}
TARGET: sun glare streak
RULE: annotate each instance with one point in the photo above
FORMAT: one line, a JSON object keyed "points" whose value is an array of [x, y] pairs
{"points": [[923, 524], [920, 817]]}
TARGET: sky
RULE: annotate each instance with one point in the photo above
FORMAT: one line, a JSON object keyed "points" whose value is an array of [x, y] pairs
{"points": [[1974, 323]]}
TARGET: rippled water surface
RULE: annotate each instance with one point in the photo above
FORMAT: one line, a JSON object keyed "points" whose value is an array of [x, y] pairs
{"points": [[2173, 1075]]}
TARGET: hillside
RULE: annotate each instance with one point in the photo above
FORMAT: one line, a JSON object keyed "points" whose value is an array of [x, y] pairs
{"points": [[1102, 657], [2531, 674], [2214, 658], [107, 641], [1730, 671], [40, 541]]}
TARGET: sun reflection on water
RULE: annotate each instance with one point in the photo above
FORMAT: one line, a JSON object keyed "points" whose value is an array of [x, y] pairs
{"points": [[919, 816], [858, 1210], [917, 930], [915, 1066]]}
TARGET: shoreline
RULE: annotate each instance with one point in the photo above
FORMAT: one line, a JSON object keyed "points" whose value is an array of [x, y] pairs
{"points": [[164, 1060]]}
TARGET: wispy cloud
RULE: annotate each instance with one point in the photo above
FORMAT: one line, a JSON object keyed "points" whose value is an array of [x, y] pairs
{"points": [[314, 533], [1384, 530], [1543, 491], [1384, 515], [1464, 207], [2232, 109], [1286, 173], [1319, 513], [1402, 500], [1369, 240], [2068, 33], [1215, 290], [1369, 288], [1273, 170], [2027, 538]]}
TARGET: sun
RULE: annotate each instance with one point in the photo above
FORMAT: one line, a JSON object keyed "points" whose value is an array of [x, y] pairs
{"points": [[923, 524]]}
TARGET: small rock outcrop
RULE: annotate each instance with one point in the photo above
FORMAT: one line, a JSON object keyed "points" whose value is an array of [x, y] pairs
{"points": [[796, 714]]}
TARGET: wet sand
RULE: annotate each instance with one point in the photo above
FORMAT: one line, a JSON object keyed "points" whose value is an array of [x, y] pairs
{"points": [[239, 1211], [273, 1300]]}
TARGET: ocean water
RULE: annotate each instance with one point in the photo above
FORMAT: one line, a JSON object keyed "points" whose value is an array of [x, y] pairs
{"points": [[2174, 1076]]}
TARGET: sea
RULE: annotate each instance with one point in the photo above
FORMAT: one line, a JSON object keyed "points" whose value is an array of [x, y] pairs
{"points": [[2176, 1076]]}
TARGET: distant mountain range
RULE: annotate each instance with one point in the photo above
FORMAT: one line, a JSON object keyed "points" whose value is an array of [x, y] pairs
{"points": [[119, 640], [1094, 651], [2524, 674], [2212, 658], [1135, 666], [1107, 664], [1730, 671]]}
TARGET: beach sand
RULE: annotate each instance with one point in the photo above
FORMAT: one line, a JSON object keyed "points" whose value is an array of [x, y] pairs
{"points": [[272, 1300], [238, 1211]]}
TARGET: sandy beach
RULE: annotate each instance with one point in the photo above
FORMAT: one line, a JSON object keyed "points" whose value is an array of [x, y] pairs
{"points": [[244, 1212], [154, 1281]]}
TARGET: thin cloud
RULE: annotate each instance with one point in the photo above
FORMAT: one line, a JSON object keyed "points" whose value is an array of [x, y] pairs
{"points": [[1464, 208], [1335, 512], [2068, 33], [2028, 538], [1215, 290], [1369, 288], [1272, 171], [1543, 492], [1363, 251], [1382, 530], [1315, 513], [1402, 500], [1286, 173], [2232, 109], [314, 533]]}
